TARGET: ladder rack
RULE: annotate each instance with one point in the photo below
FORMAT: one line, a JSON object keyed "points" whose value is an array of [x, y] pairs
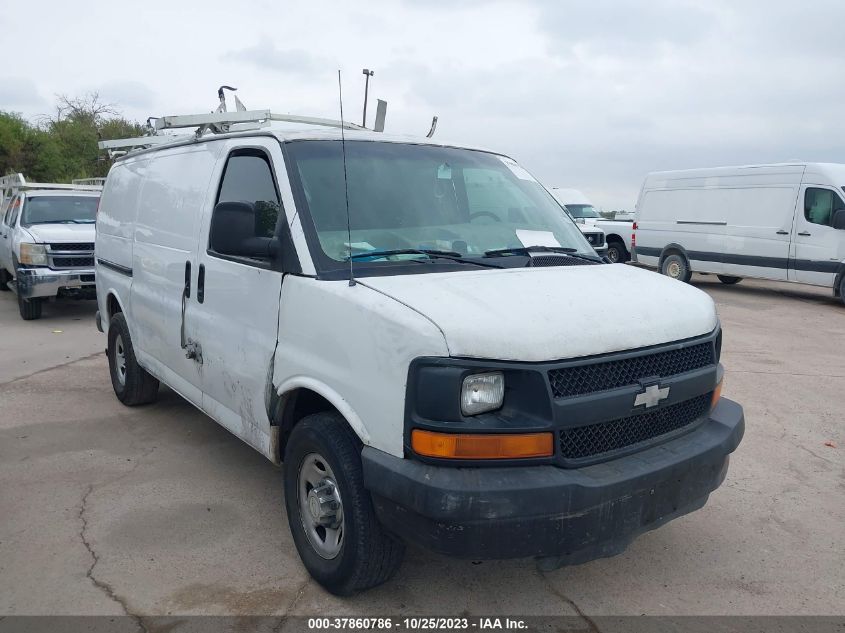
{"points": [[16, 182]]}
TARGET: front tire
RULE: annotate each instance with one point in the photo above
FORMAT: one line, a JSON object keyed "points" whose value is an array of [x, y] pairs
{"points": [[30, 309], [727, 279], [132, 384], [334, 527], [616, 252], [677, 267]]}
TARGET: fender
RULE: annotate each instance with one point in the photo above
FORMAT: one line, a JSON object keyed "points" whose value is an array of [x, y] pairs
{"points": [[334, 398], [672, 247]]}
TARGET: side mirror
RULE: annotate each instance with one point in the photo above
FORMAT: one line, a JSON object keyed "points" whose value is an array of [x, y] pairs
{"points": [[839, 219], [233, 232]]}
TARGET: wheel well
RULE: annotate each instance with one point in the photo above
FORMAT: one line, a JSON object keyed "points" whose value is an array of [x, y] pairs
{"points": [[113, 306], [672, 250], [293, 407]]}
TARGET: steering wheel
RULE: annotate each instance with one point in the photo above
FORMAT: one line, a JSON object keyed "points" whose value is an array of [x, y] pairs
{"points": [[488, 214]]}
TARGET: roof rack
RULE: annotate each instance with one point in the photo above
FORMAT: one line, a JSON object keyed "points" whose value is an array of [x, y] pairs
{"points": [[221, 121], [17, 182]]}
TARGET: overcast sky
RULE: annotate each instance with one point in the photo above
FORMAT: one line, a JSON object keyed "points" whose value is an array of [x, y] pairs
{"points": [[590, 95]]}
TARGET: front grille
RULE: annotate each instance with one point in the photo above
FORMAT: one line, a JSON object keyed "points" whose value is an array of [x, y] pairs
{"points": [[581, 379], [589, 441], [73, 262], [558, 260], [73, 246]]}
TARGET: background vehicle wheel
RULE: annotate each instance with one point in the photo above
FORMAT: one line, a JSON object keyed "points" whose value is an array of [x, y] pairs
{"points": [[726, 279], [331, 516], [677, 267], [5, 278], [616, 252], [30, 309], [842, 289], [131, 382]]}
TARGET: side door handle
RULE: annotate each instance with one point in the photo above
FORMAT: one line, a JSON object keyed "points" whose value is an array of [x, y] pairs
{"points": [[201, 284], [783, 232], [805, 234]]}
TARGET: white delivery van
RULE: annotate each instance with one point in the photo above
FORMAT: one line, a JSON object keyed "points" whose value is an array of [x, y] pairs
{"points": [[783, 222], [47, 241], [617, 232], [400, 323]]}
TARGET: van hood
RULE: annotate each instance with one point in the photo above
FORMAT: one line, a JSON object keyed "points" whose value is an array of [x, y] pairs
{"points": [[553, 313], [62, 232]]}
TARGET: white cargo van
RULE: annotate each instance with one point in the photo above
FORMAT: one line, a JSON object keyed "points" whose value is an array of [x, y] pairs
{"points": [[617, 232], [400, 322], [784, 222]]}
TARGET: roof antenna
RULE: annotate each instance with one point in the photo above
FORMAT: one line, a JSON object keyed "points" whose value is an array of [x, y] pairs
{"points": [[345, 179]]}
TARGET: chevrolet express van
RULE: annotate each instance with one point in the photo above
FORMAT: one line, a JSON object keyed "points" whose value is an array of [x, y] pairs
{"points": [[399, 322], [782, 222]]}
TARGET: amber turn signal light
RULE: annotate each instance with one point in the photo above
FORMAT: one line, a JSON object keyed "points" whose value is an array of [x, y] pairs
{"points": [[481, 446], [717, 393]]}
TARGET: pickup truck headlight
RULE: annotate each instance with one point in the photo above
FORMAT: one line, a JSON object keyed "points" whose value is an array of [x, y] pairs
{"points": [[33, 254], [482, 392]]}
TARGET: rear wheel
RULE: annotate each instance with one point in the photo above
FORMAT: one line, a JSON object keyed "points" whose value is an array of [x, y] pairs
{"points": [[330, 513], [132, 384], [676, 266], [616, 252], [727, 279], [5, 278], [842, 289]]}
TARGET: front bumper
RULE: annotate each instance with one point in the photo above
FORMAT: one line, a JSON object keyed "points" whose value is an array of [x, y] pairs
{"points": [[576, 514], [45, 282]]}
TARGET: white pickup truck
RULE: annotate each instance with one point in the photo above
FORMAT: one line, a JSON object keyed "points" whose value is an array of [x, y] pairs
{"points": [[47, 241], [617, 232]]}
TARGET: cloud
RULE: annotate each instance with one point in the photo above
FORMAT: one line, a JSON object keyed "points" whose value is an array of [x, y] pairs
{"points": [[131, 94], [17, 92], [293, 61]]}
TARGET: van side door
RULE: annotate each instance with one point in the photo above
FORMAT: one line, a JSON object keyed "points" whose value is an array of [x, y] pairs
{"points": [[818, 248], [238, 297]]}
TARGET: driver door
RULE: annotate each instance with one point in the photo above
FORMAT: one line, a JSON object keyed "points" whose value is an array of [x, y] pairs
{"points": [[817, 248]]}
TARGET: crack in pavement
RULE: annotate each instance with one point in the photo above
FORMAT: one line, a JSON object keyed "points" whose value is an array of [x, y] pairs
{"points": [[46, 369], [299, 593], [554, 591]]}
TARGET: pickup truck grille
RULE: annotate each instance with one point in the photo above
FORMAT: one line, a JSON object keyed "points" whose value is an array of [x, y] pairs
{"points": [[71, 255], [582, 379], [592, 440]]}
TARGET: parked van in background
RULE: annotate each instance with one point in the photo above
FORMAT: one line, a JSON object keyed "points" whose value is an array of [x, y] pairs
{"points": [[617, 232], [784, 222], [47, 241], [412, 347]]}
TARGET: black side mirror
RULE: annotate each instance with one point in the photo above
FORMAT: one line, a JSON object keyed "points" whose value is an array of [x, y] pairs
{"points": [[233, 232], [839, 219]]}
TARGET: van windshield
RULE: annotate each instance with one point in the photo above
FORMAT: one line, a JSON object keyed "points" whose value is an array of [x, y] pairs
{"points": [[582, 211], [59, 210], [421, 197]]}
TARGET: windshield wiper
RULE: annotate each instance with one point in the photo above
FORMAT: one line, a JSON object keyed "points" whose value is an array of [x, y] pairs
{"points": [[451, 255], [527, 250]]}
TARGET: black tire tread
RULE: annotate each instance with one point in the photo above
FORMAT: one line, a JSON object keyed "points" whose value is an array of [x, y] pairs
{"points": [[620, 246], [141, 387], [729, 279], [688, 271], [378, 554], [30, 309]]}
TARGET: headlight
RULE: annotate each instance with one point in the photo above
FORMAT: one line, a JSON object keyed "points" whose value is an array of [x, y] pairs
{"points": [[33, 254], [482, 392]]}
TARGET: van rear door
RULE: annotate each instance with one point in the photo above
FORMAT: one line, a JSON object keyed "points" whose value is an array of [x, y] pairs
{"points": [[237, 307], [818, 249]]}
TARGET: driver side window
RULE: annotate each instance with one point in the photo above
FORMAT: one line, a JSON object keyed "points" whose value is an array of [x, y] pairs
{"points": [[820, 205]]}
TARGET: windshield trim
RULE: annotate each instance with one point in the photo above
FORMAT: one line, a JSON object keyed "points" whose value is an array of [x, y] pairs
{"points": [[329, 269]]}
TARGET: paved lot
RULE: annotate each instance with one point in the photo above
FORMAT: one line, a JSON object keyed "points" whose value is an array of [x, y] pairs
{"points": [[107, 510]]}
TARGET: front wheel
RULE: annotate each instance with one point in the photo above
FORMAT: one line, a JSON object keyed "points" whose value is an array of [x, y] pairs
{"points": [[727, 279], [676, 266], [330, 513], [30, 309]]}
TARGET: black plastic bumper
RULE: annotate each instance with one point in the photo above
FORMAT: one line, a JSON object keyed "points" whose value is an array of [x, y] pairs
{"points": [[578, 514]]}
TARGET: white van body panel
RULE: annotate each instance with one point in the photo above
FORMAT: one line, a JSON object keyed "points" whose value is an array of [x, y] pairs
{"points": [[544, 304], [742, 221], [355, 343]]}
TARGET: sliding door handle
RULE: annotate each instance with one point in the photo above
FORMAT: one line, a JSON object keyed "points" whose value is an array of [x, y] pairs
{"points": [[783, 232], [805, 234], [201, 284]]}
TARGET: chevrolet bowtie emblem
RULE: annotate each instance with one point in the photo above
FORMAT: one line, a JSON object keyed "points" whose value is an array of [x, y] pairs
{"points": [[652, 396]]}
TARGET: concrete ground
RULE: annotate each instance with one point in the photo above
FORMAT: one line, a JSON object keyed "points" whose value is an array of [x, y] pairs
{"points": [[157, 510]]}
